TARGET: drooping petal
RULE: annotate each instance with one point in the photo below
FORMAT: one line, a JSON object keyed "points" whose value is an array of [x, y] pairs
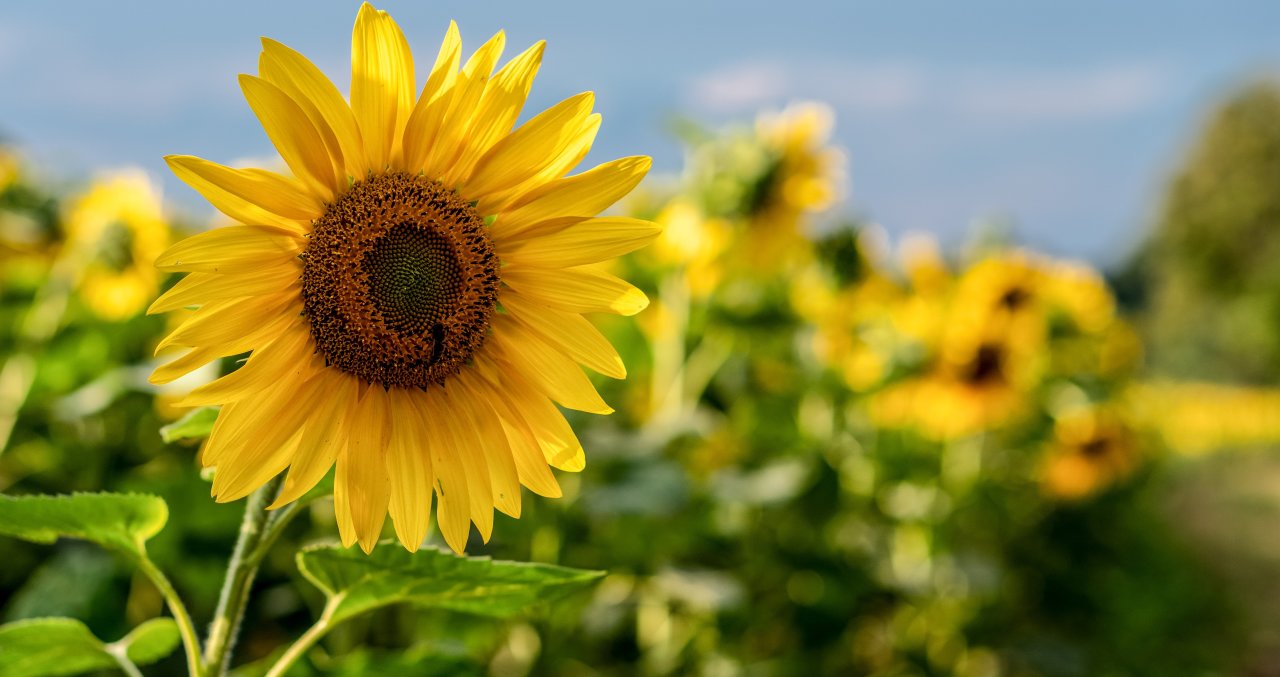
{"points": [[459, 421], [275, 362], [503, 476], [232, 205], [361, 487], [409, 467], [324, 434], [452, 492]]}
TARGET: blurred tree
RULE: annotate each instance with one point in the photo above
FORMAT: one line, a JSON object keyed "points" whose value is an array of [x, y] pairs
{"points": [[1212, 283]]}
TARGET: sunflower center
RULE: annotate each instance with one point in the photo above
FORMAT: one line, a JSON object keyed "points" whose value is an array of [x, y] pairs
{"points": [[399, 281]]}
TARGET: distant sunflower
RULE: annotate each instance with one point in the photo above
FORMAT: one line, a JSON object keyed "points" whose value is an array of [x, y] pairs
{"points": [[114, 231], [412, 293], [1093, 448]]}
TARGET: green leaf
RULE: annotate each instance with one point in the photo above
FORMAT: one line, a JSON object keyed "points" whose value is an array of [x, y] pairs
{"points": [[42, 647], [120, 521], [151, 641], [433, 579], [195, 425]]}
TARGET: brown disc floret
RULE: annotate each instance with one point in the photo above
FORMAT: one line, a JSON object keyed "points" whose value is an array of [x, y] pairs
{"points": [[399, 281]]}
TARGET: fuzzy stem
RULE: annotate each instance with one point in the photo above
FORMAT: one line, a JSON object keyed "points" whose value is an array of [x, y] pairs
{"points": [[241, 571], [190, 642], [307, 640]]}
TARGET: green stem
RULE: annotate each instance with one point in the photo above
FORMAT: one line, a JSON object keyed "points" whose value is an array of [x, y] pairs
{"points": [[190, 641], [241, 571], [308, 639], [18, 371], [122, 660]]}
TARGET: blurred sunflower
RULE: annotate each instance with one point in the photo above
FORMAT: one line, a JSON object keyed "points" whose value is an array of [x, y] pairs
{"points": [[412, 294], [115, 230], [801, 177], [1092, 449], [972, 388], [10, 168]]}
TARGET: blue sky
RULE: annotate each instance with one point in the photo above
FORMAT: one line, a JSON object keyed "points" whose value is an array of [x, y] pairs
{"points": [[1061, 118]]}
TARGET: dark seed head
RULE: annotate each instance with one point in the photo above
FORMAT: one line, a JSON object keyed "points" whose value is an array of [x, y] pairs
{"points": [[399, 281]]}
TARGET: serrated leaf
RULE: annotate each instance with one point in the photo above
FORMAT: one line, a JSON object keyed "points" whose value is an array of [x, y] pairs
{"points": [[120, 521], [195, 425], [44, 647], [433, 579], [151, 641]]}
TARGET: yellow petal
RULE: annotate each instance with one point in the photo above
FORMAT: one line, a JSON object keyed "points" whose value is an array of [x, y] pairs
{"points": [[229, 321], [589, 241], [581, 195], [503, 477], [361, 487], [324, 434], [549, 370], [577, 290], [461, 423], [293, 135], [255, 443], [199, 288], [560, 447], [232, 205], [532, 147], [531, 465], [232, 249], [463, 99], [499, 106], [187, 363], [424, 122], [324, 104], [382, 83], [576, 146], [409, 466], [569, 333], [452, 492], [285, 358], [277, 194]]}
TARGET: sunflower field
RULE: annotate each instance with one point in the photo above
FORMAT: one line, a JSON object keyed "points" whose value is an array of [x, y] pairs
{"points": [[344, 429]]}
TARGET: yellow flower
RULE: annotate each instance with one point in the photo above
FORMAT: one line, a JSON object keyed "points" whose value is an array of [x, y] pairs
{"points": [[412, 293], [114, 231], [693, 241], [1093, 448], [802, 178], [10, 168]]}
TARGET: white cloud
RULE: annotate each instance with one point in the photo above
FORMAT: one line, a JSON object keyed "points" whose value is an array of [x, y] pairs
{"points": [[999, 95], [1105, 92]]}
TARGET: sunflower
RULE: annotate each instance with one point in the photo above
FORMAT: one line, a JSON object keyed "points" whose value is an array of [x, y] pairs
{"points": [[802, 177], [1093, 448], [114, 231], [411, 292]]}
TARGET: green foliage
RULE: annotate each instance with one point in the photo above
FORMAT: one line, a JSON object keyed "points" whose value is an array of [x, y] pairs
{"points": [[44, 647], [433, 579], [193, 427], [1210, 265], [120, 521]]}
